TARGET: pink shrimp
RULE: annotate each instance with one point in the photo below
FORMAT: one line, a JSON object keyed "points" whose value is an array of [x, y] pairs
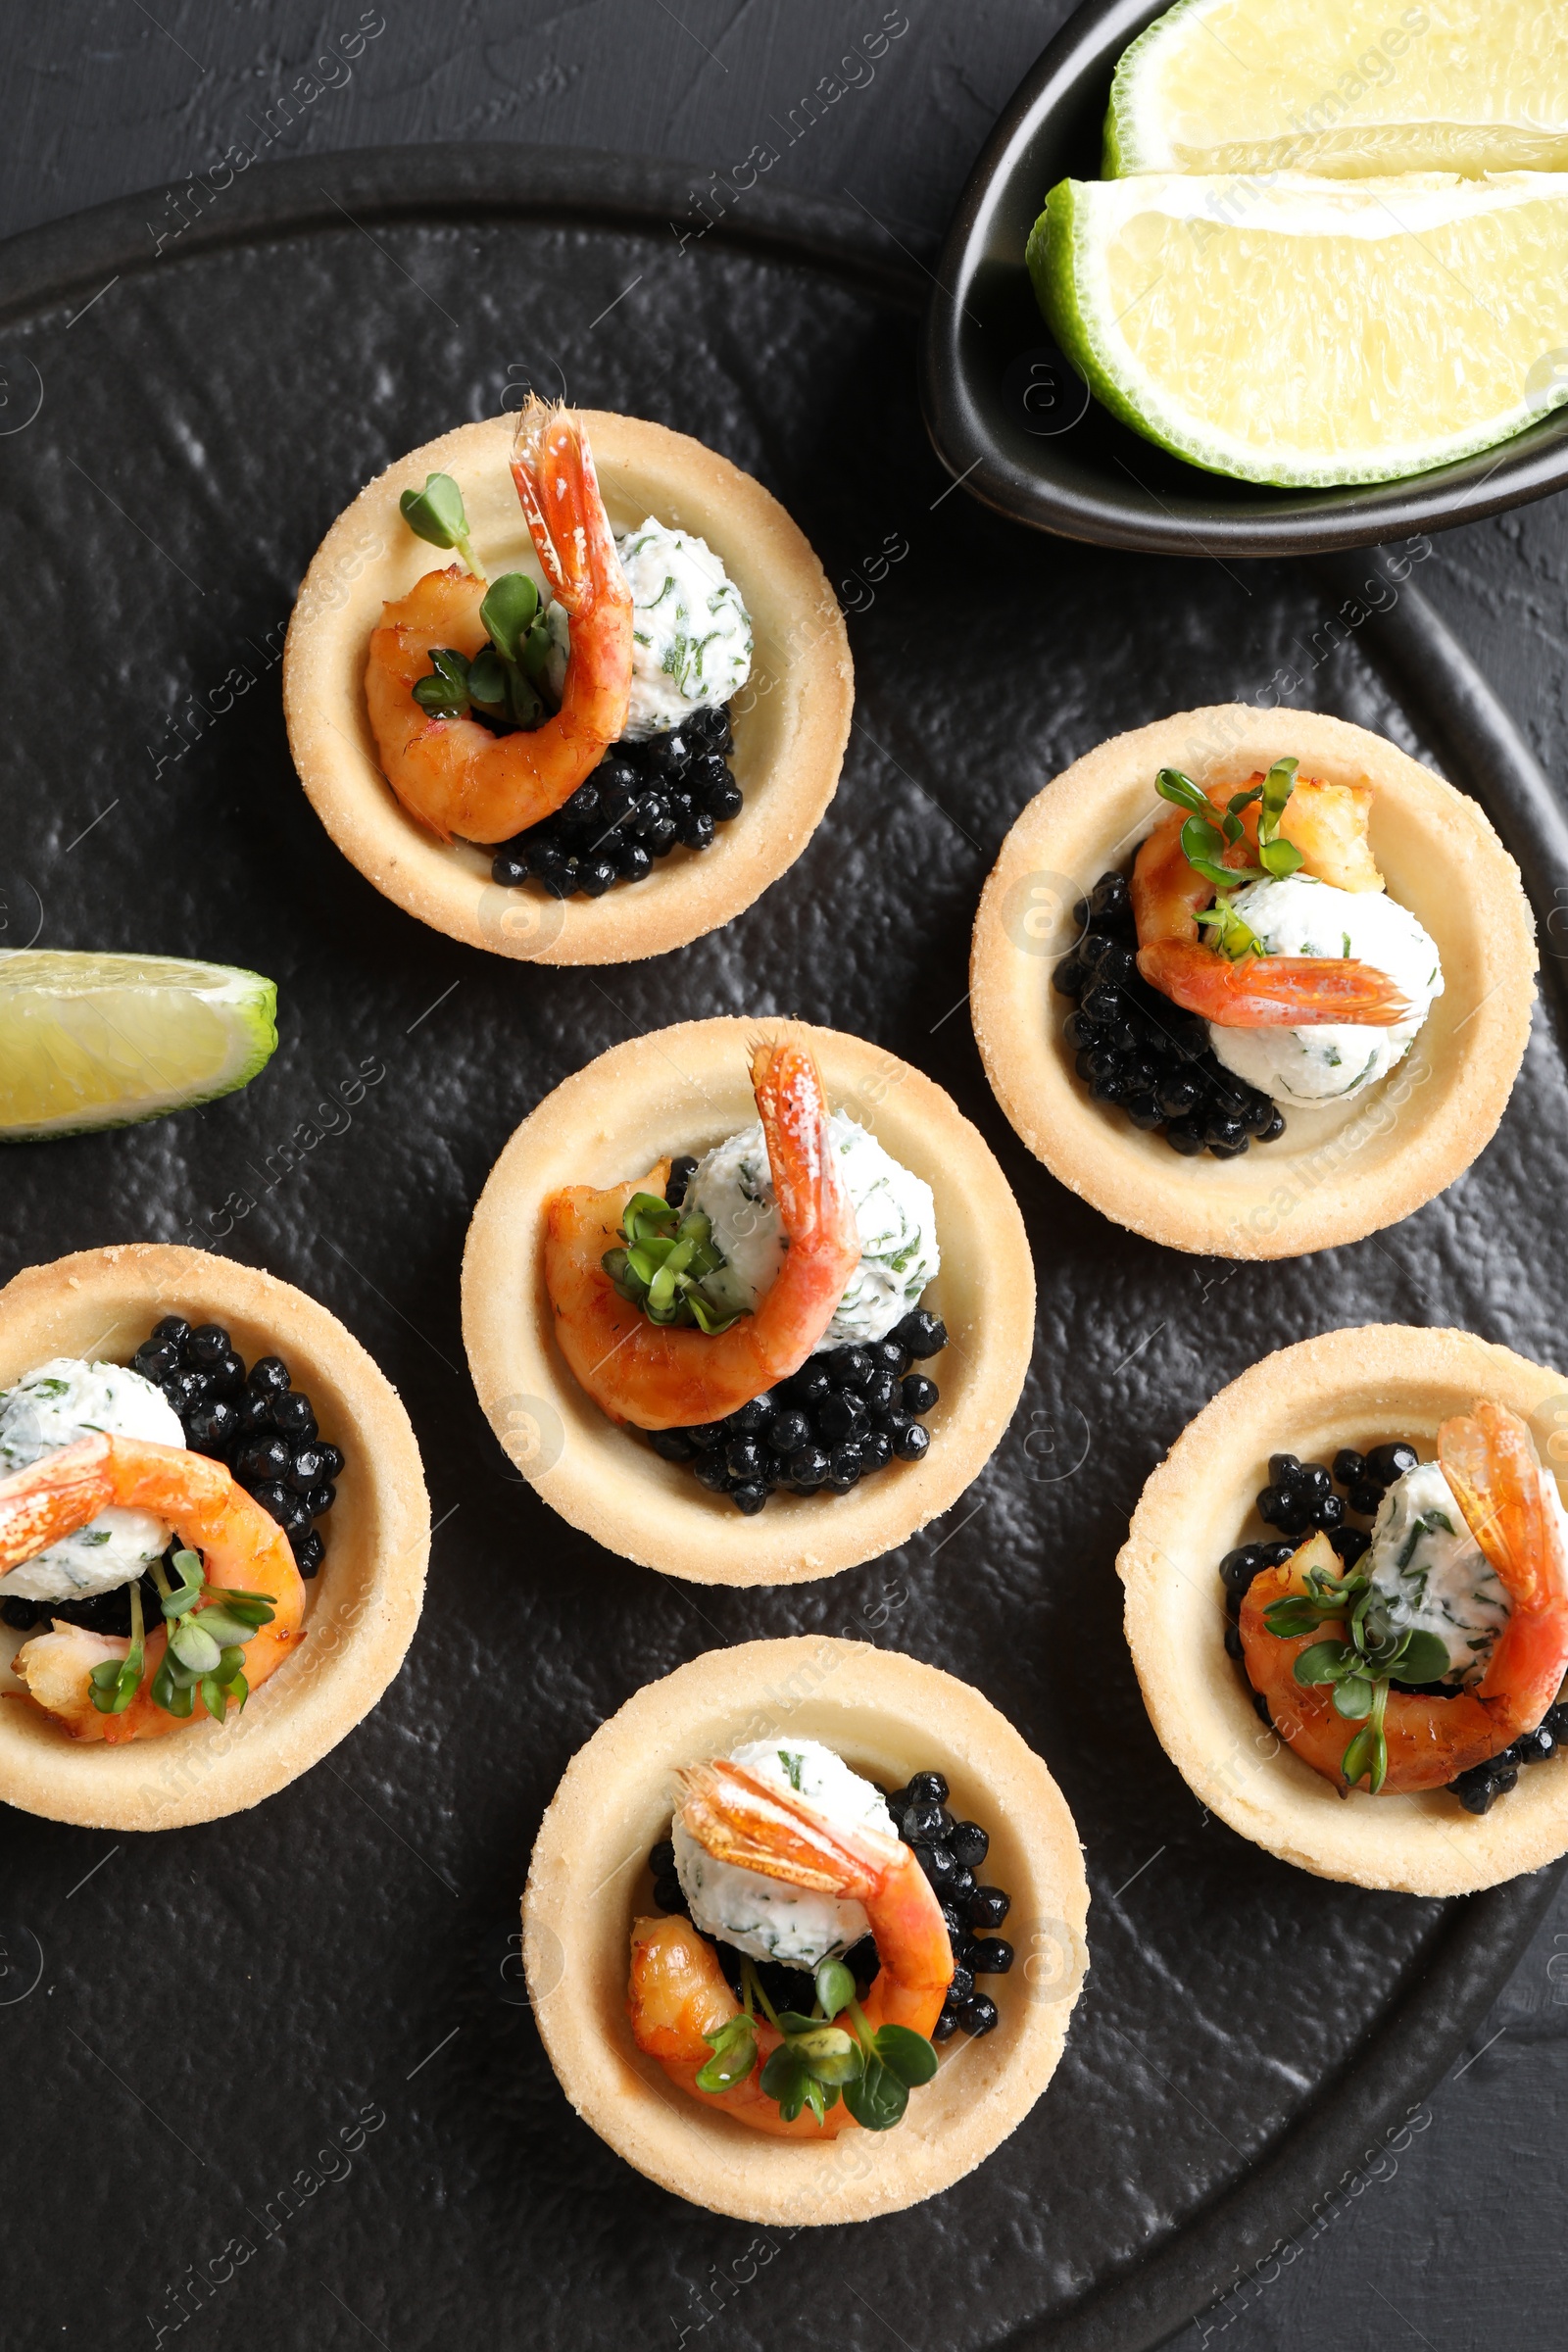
{"points": [[677, 1992], [452, 773], [664, 1376], [1256, 991], [1489, 1460], [242, 1547]]}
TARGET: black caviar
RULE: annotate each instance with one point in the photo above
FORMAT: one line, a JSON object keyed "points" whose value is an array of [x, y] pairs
{"points": [[1299, 1498], [1137, 1049], [643, 800], [950, 1852], [844, 1415], [257, 1424]]}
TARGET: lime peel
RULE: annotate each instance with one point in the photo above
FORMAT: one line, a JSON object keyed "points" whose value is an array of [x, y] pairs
{"points": [[90, 1041], [1192, 308]]}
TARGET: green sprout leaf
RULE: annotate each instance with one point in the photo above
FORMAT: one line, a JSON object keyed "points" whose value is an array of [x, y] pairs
{"points": [[1231, 935], [1325, 1662], [1367, 1758], [444, 694], [487, 682], [786, 2082], [226, 1627], [195, 1649], [188, 1592], [1171, 785], [436, 513], [1355, 1697], [1421, 1657], [878, 2099], [508, 613], [834, 1986], [114, 1684], [734, 2048], [908, 2055]]}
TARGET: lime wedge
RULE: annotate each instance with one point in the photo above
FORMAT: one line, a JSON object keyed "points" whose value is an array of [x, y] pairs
{"points": [[1307, 331], [103, 1041], [1349, 87]]}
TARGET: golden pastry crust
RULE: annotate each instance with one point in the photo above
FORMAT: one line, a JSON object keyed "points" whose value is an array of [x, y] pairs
{"points": [[1337, 1173], [888, 1716], [791, 724], [360, 1610], [1349, 1387], [685, 1089]]}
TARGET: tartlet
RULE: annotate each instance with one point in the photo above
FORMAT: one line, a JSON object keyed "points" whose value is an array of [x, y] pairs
{"points": [[791, 723], [361, 1611], [1349, 1387], [888, 1715], [681, 1089], [1341, 1171]]}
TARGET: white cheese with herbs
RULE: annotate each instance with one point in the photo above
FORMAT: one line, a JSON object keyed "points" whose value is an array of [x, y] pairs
{"points": [[1431, 1576], [762, 1916], [1300, 916], [733, 1186], [61, 1400], [691, 633]]}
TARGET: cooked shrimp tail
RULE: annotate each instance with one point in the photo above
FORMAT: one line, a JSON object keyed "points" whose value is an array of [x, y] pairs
{"points": [[243, 1550], [1252, 992], [677, 1998], [671, 1376], [737, 1817], [1490, 1461], [453, 774]]}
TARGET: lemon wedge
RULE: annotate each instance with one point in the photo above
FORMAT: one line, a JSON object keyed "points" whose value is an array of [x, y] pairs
{"points": [[102, 1041], [1347, 87], [1305, 331]]}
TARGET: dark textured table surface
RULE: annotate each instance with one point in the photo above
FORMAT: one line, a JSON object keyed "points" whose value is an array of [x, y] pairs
{"points": [[1453, 2242]]}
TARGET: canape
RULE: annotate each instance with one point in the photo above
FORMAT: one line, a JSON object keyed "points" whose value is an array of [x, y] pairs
{"points": [[1346, 1592], [214, 1528], [593, 807], [1252, 983], [846, 1748], [726, 1377]]}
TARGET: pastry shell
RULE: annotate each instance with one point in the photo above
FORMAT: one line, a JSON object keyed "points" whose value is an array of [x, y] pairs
{"points": [[792, 719], [1339, 1173], [889, 1716], [1349, 1387], [361, 1609], [684, 1089]]}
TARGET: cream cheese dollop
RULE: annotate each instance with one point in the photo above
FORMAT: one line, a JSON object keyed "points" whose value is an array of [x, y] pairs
{"points": [[68, 1399], [1431, 1574], [1300, 916], [762, 1916], [691, 633], [733, 1186]]}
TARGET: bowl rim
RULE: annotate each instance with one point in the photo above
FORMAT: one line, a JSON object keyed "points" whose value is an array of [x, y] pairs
{"points": [[1374, 1380], [1242, 519], [584, 1881], [364, 558], [204, 1771], [1053, 852], [623, 1111]]}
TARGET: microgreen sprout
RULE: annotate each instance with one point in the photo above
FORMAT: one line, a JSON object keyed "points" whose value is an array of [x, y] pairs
{"points": [[505, 679], [1208, 846], [819, 2058], [437, 514], [1357, 1672], [669, 1255], [205, 1652]]}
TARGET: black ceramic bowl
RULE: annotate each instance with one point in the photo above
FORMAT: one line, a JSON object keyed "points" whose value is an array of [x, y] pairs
{"points": [[1012, 421]]}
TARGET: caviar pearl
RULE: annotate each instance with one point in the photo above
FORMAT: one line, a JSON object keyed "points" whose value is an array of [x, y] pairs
{"points": [[645, 797], [1138, 1052]]}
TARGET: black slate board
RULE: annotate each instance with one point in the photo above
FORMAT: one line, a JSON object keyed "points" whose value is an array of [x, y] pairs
{"points": [[191, 2021]]}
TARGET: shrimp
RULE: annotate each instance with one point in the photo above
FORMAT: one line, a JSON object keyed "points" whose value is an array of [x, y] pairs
{"points": [[678, 1992], [452, 773], [1256, 991], [669, 1376], [242, 1546], [1489, 1460]]}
